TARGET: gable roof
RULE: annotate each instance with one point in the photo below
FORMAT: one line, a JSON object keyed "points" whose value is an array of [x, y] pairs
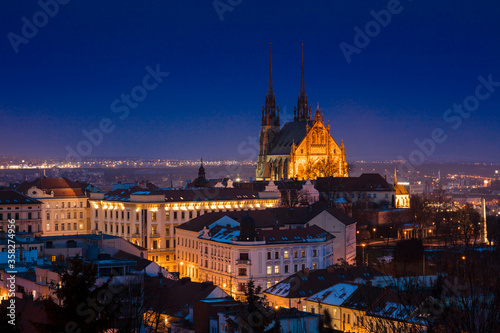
{"points": [[291, 132], [11, 197], [61, 187]]}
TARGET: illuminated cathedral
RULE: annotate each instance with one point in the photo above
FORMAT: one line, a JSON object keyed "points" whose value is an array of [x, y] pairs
{"points": [[302, 149]]}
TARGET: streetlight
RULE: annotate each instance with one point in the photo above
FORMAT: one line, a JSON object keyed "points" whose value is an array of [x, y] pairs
{"points": [[374, 231], [363, 245]]}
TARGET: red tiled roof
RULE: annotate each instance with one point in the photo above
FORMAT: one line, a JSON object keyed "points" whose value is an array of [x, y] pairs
{"points": [[61, 187]]}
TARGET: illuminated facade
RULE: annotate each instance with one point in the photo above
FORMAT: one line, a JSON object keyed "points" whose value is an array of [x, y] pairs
{"points": [[65, 206], [24, 210], [149, 218], [265, 246], [302, 149], [402, 197]]}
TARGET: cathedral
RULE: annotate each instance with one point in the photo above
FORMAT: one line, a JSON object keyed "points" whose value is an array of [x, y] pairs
{"points": [[302, 149]]}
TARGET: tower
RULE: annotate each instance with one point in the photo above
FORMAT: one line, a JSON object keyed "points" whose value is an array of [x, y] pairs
{"points": [[302, 111], [270, 126]]}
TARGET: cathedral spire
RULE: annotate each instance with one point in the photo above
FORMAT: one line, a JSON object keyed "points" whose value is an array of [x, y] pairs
{"points": [[270, 93], [302, 85]]}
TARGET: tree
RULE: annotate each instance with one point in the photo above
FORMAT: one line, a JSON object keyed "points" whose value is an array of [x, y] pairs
{"points": [[81, 306], [255, 315]]}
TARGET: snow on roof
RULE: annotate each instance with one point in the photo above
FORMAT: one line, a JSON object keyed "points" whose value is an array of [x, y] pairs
{"points": [[334, 295]]}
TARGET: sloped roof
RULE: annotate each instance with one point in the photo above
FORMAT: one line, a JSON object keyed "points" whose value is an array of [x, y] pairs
{"points": [[270, 217], [364, 297], [292, 132], [61, 187], [201, 195], [11, 197], [400, 189], [309, 282], [142, 263], [365, 182], [174, 297]]}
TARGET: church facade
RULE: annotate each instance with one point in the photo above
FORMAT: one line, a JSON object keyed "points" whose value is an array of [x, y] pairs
{"points": [[301, 149]]}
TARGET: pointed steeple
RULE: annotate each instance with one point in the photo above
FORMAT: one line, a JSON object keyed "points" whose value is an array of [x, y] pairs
{"points": [[303, 108], [270, 93], [395, 176], [270, 112], [302, 84]]}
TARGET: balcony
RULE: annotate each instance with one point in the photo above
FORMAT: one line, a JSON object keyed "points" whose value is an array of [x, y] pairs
{"points": [[154, 236], [136, 235], [243, 262]]}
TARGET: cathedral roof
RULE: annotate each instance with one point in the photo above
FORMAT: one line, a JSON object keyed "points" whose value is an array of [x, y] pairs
{"points": [[292, 132]]}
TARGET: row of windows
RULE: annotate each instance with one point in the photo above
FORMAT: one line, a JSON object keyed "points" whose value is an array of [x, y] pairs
{"points": [[286, 254], [64, 226], [121, 215], [68, 215], [286, 270], [8, 216], [65, 204], [17, 208]]}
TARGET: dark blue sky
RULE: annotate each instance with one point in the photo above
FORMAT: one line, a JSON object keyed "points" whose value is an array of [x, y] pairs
{"points": [[395, 90]]}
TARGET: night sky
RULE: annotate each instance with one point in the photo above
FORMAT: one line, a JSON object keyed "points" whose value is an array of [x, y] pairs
{"points": [[69, 75]]}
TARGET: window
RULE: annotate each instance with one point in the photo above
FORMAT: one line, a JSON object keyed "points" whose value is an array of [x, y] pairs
{"points": [[123, 229], [190, 215], [123, 214], [295, 254], [128, 230], [243, 256], [81, 204], [153, 216], [128, 216], [96, 213], [374, 195], [137, 216], [116, 228], [276, 269], [74, 226], [167, 231], [155, 245], [116, 215], [269, 270], [286, 254], [167, 244], [105, 227], [269, 255], [295, 268], [175, 216], [105, 214], [303, 253], [81, 215], [315, 253], [63, 205], [315, 265], [29, 216], [276, 255], [183, 215], [286, 268], [47, 227], [153, 229], [167, 216], [62, 226], [242, 272]]}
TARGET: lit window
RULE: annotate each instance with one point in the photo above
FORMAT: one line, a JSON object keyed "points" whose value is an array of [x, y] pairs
{"points": [[276, 269], [269, 270], [286, 254]]}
